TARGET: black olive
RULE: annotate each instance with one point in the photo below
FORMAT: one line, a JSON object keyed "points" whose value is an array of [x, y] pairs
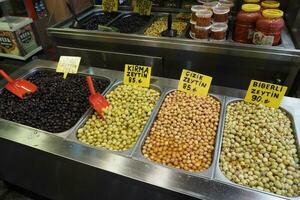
{"points": [[57, 105]]}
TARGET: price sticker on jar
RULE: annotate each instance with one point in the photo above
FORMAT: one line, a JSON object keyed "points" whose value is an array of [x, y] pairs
{"points": [[110, 5], [194, 83], [143, 7], [137, 75], [68, 65], [264, 93]]}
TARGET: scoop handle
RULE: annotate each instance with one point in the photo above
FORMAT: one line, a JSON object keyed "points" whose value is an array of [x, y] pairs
{"points": [[5, 76], [90, 84], [170, 21]]}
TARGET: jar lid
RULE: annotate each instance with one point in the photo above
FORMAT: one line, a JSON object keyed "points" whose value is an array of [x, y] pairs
{"points": [[219, 27], [227, 3], [270, 4], [204, 13], [197, 8], [192, 22], [221, 10], [272, 13], [211, 5], [251, 1], [203, 28], [251, 7]]}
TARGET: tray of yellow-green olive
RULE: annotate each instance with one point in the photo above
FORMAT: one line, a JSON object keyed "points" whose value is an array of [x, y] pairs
{"points": [[184, 133], [124, 120], [260, 149], [160, 24]]}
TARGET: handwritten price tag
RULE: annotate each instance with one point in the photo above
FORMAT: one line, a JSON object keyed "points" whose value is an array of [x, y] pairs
{"points": [[194, 83], [143, 7], [110, 5], [137, 75], [68, 64], [267, 94]]}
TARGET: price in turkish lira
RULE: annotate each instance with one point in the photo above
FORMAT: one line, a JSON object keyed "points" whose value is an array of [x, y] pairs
{"points": [[264, 93], [137, 75], [110, 5], [194, 83], [143, 7]]}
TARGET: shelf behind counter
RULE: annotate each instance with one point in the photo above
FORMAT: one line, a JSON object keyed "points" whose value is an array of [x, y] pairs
{"points": [[230, 63], [59, 168]]}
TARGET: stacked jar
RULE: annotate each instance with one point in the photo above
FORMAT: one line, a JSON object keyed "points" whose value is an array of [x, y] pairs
{"points": [[209, 22], [270, 5], [269, 27], [200, 22], [245, 23]]}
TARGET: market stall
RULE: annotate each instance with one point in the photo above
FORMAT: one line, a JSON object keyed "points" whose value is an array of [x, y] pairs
{"points": [[154, 143]]}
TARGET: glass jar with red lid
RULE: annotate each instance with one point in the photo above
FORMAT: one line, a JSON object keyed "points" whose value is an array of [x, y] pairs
{"points": [[246, 22], [269, 27], [270, 5]]}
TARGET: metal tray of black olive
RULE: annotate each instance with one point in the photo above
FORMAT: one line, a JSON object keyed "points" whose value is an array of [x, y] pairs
{"points": [[131, 22], [58, 104], [96, 18]]}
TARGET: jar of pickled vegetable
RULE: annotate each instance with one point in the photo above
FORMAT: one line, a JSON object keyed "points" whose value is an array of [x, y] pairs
{"points": [[269, 27], [204, 17], [270, 5], [251, 2], [245, 23], [218, 31], [202, 32], [195, 9], [221, 14]]}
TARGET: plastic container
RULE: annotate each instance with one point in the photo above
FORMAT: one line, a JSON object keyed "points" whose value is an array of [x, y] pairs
{"points": [[193, 24], [16, 36], [269, 27], [220, 14], [211, 5], [218, 31], [226, 3], [270, 5], [246, 22], [195, 9], [204, 17], [202, 32]]}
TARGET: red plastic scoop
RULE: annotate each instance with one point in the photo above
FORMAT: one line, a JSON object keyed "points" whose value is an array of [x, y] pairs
{"points": [[96, 99], [18, 87]]}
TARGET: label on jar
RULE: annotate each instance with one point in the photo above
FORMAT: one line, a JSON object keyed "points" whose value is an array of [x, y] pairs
{"points": [[68, 64], [110, 5], [137, 75], [261, 39], [194, 83], [143, 7], [264, 93]]}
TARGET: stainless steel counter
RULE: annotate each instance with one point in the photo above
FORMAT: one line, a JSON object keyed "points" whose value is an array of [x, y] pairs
{"points": [[60, 168]]}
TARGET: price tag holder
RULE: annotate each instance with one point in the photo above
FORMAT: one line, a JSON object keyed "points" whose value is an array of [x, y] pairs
{"points": [[194, 83], [68, 64], [137, 75], [264, 93], [143, 7], [110, 5]]}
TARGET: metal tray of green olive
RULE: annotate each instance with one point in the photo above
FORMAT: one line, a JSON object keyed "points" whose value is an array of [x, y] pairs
{"points": [[182, 140], [41, 111], [264, 156], [160, 20], [118, 130]]}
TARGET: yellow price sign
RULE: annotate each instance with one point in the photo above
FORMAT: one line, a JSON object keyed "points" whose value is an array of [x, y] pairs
{"points": [[194, 83], [68, 64], [264, 93], [137, 75], [110, 5], [143, 7]]}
